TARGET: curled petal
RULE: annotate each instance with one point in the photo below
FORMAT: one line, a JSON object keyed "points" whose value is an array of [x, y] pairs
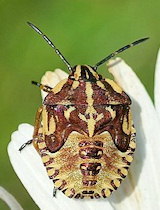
{"points": [[9, 199], [157, 86], [52, 78], [140, 190]]}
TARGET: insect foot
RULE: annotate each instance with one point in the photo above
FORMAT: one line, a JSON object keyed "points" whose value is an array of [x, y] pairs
{"points": [[25, 144]]}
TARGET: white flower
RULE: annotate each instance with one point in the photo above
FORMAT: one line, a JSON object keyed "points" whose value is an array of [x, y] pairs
{"points": [[139, 191], [9, 199]]}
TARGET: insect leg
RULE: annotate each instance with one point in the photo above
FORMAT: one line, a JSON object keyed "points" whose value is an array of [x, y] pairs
{"points": [[54, 192], [42, 87], [25, 144], [36, 129]]}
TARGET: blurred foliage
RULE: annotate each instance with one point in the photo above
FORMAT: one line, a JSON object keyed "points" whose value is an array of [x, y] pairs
{"points": [[85, 31]]}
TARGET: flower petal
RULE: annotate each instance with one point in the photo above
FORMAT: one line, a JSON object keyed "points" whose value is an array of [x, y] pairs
{"points": [[52, 78], [141, 189], [157, 86], [9, 199], [29, 168]]}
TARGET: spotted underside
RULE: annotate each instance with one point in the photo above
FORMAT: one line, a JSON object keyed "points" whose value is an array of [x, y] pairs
{"points": [[87, 138]]}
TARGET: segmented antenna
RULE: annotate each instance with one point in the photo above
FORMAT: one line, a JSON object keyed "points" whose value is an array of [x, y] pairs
{"points": [[119, 51], [51, 44]]}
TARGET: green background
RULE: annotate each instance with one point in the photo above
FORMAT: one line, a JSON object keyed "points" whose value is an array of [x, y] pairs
{"points": [[85, 31]]}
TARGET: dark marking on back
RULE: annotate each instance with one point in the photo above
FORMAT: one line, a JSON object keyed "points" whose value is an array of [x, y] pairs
{"points": [[84, 72]]}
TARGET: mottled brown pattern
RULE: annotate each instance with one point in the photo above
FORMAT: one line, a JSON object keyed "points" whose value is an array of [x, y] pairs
{"points": [[114, 127], [67, 166], [89, 182], [88, 140], [90, 169], [90, 152], [109, 96]]}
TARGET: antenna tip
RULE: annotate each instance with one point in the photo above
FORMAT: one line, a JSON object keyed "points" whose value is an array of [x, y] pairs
{"points": [[139, 41], [29, 23], [144, 39], [35, 83]]}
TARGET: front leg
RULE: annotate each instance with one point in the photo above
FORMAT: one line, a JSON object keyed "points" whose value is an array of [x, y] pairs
{"points": [[35, 133], [25, 144]]}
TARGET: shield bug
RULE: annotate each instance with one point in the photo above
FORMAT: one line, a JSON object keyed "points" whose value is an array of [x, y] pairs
{"points": [[84, 131]]}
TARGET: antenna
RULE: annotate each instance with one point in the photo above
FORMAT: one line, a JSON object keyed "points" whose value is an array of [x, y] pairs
{"points": [[119, 51], [51, 44]]}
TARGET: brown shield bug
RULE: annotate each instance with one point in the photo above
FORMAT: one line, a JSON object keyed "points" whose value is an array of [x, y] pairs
{"points": [[84, 131]]}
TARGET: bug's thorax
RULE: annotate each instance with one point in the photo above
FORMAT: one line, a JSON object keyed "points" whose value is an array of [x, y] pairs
{"points": [[85, 86]]}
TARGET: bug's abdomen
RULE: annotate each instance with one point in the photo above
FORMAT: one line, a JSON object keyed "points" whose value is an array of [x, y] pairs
{"points": [[88, 167], [90, 153]]}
